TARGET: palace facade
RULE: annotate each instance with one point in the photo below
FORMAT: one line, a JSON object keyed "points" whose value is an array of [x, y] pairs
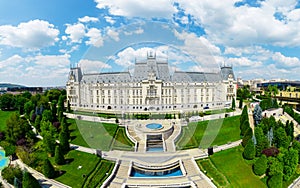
{"points": [[151, 87]]}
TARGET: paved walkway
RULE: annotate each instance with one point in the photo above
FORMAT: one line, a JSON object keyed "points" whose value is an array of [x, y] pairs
{"points": [[45, 182]]}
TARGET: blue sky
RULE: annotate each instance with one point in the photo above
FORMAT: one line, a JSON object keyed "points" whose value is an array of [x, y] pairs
{"points": [[40, 40]]}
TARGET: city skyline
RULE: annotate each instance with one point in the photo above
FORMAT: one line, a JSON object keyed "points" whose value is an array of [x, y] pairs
{"points": [[39, 41]]}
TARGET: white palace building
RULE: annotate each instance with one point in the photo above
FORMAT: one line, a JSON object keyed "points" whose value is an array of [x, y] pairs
{"points": [[151, 88]]}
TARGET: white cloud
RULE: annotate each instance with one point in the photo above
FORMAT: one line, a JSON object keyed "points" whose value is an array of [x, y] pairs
{"points": [[285, 61], [31, 35], [113, 34], [137, 31], [242, 61], [51, 60], [89, 66], [95, 37], [86, 19], [205, 53], [11, 61], [245, 25], [39, 70], [109, 19], [75, 32], [138, 8]]}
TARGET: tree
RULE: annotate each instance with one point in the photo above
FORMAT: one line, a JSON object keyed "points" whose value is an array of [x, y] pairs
{"points": [[241, 103], [280, 138], [61, 103], [29, 181], [248, 136], [261, 141], [244, 115], [257, 114], [59, 156], [275, 181], [296, 146], [244, 127], [37, 123], [17, 128], [64, 141], [289, 129], [290, 161], [233, 104], [275, 166], [53, 110], [10, 173], [47, 116], [28, 107], [7, 101], [260, 166], [69, 106], [49, 144], [48, 169], [249, 151]]}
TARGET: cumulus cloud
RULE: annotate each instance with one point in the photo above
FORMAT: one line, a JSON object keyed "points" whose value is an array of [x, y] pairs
{"points": [[242, 61], [86, 19], [37, 70], [285, 61], [113, 34], [134, 8], [205, 53], [11, 61], [75, 32], [90, 66], [109, 19], [227, 24], [95, 37], [32, 35], [57, 61]]}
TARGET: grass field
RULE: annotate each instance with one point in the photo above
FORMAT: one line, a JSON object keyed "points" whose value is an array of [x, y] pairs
{"points": [[209, 133], [102, 136], [93, 134], [99, 174], [206, 166], [76, 137], [121, 141], [4, 115], [232, 165], [73, 174]]}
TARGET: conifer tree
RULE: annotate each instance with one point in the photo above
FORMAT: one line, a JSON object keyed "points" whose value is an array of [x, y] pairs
{"points": [[59, 156], [48, 169], [29, 181]]}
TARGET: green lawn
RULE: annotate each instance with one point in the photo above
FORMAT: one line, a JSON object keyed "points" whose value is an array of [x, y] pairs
{"points": [[232, 165], [4, 115], [92, 134], [210, 133], [206, 166], [76, 137], [99, 174], [121, 141], [73, 175]]}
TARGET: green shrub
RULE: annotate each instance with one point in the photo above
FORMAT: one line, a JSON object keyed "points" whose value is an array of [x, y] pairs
{"points": [[260, 166], [275, 181], [249, 151]]}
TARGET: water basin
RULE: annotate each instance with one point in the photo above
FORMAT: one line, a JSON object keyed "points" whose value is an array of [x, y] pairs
{"points": [[156, 174], [3, 160], [154, 126]]}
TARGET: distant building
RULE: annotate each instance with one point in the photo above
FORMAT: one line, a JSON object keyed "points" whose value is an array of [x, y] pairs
{"points": [[32, 90], [151, 87]]}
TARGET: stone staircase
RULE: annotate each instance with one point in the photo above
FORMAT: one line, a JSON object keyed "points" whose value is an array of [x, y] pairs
{"points": [[121, 175], [194, 173]]}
